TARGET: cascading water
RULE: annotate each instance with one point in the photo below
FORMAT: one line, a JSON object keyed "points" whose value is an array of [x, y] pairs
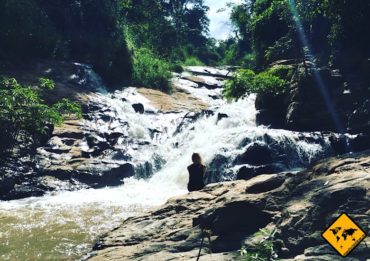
{"points": [[63, 225]]}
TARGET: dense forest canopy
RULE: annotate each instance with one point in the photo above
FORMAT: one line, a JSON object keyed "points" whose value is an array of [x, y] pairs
{"points": [[125, 39], [332, 32], [105, 33]]}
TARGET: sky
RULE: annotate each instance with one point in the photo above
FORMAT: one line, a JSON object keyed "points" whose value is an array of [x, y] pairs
{"points": [[219, 22]]}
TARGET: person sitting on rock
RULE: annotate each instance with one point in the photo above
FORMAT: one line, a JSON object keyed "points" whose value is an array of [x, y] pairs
{"points": [[196, 173]]}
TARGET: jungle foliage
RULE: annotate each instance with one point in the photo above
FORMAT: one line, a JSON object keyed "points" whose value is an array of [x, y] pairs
{"points": [[109, 34], [22, 111], [328, 32], [246, 81]]}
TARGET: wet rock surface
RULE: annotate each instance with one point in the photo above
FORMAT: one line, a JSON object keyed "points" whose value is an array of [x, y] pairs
{"points": [[319, 99], [107, 145], [17, 179], [179, 100], [74, 154], [210, 71], [298, 206], [121, 133], [103, 148], [113, 142]]}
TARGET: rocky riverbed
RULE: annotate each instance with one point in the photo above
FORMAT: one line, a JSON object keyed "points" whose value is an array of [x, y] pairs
{"points": [[98, 150], [298, 206], [120, 134], [129, 153]]}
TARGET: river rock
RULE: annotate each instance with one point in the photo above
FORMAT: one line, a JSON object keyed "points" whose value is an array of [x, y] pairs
{"points": [[210, 71], [17, 177], [360, 142], [138, 107], [249, 172], [271, 110], [255, 154], [104, 175], [25, 190], [179, 100], [94, 141], [208, 113], [299, 206], [221, 116], [217, 170], [210, 83], [318, 196], [340, 144], [70, 129], [348, 143]]}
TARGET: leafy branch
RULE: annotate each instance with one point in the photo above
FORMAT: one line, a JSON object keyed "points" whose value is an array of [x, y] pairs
{"points": [[23, 111]]}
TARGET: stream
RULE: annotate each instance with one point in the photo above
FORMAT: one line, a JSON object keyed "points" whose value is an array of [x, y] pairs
{"points": [[63, 225]]}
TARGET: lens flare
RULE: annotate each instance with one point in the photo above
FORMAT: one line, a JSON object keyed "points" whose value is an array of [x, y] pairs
{"points": [[318, 78]]}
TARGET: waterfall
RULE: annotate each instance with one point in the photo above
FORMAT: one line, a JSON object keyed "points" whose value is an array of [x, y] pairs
{"points": [[63, 225], [160, 144]]}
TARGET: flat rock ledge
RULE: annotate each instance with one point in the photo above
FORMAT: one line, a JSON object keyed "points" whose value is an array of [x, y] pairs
{"points": [[297, 207]]}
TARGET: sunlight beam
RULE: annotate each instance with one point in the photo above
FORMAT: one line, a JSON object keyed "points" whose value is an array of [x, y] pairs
{"points": [[319, 80]]}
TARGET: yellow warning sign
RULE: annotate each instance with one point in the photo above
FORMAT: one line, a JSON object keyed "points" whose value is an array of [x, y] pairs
{"points": [[344, 235]]}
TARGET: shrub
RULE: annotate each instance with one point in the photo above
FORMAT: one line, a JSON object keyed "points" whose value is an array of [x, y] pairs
{"points": [[239, 84], [265, 250], [265, 82], [248, 60], [247, 82], [282, 71], [86, 31], [192, 61], [151, 71], [46, 83], [281, 49], [22, 110], [25, 31]]}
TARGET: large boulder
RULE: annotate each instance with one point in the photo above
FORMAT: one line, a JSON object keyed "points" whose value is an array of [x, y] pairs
{"points": [[333, 187], [319, 99], [17, 178], [249, 172], [94, 141], [271, 110], [278, 214], [255, 154], [102, 176]]}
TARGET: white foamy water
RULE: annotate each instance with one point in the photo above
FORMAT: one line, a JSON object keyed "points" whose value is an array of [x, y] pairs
{"points": [[64, 225]]}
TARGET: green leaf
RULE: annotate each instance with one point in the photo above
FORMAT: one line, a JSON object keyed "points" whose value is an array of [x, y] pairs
{"points": [[46, 84]]}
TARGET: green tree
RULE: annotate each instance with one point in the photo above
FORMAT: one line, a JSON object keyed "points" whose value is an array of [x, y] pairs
{"points": [[88, 31], [25, 31], [191, 24], [23, 111], [326, 32], [91, 32], [106, 33]]}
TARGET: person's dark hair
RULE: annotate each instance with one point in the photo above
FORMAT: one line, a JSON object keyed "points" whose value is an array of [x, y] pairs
{"points": [[196, 158]]}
